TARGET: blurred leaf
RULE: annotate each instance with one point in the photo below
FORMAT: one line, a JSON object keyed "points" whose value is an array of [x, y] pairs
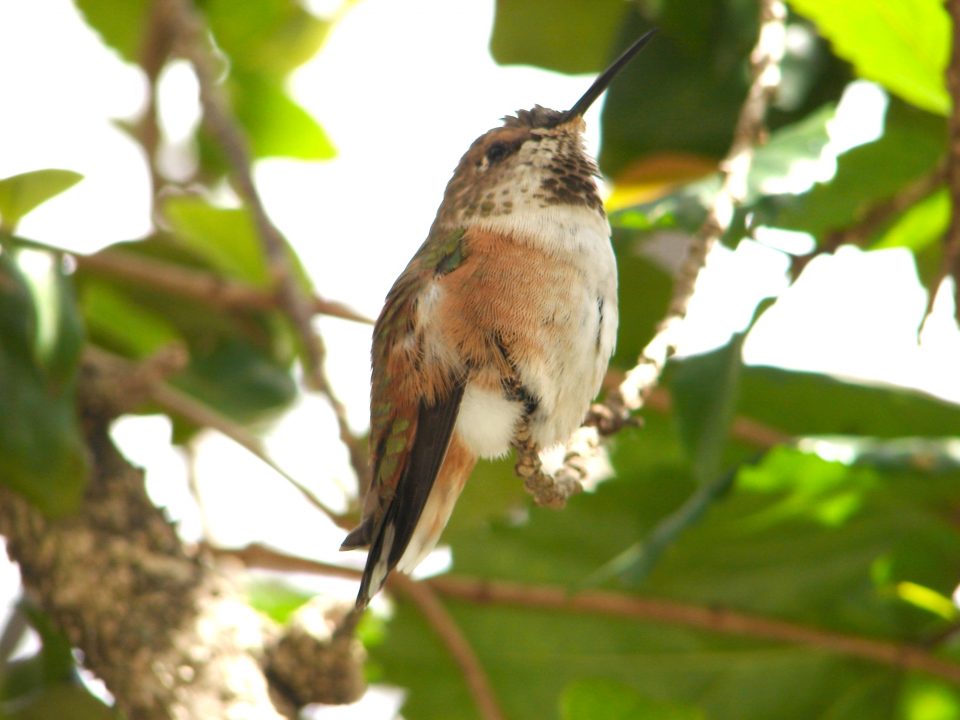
{"points": [[788, 156], [920, 230], [64, 702], [901, 44], [783, 162], [59, 328], [704, 389], [238, 379], [605, 700], [276, 599], [42, 454], [277, 126], [119, 322], [822, 405], [912, 144], [119, 24], [271, 37], [563, 35], [19, 194], [225, 238]]}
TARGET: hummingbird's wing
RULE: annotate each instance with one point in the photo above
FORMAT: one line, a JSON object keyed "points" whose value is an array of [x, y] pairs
{"points": [[413, 409]]}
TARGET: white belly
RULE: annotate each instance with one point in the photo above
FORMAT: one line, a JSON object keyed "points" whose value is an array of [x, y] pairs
{"points": [[576, 347]]}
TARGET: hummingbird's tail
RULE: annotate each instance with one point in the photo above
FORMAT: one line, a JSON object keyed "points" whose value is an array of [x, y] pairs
{"points": [[435, 472]]}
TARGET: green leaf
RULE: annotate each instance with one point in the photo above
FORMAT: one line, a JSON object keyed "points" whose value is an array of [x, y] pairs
{"points": [[237, 378], [920, 230], [564, 35], [119, 23], [901, 44], [118, 321], [606, 700], [19, 194], [225, 238], [270, 37], [802, 403], [276, 125], [704, 390], [42, 454], [59, 329], [276, 599]]}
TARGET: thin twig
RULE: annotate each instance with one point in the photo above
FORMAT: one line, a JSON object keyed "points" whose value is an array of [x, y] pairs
{"points": [[219, 292], [133, 384], [951, 242], [213, 290], [175, 402], [642, 609], [155, 49], [190, 32], [734, 171], [425, 598]]}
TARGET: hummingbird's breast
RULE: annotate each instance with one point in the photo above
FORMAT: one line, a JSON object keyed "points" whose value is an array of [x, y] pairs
{"points": [[532, 313]]}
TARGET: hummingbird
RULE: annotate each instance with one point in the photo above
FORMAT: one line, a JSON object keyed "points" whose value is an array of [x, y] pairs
{"points": [[503, 322]]}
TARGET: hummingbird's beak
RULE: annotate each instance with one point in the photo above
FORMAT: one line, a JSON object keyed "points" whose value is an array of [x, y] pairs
{"points": [[600, 84]]}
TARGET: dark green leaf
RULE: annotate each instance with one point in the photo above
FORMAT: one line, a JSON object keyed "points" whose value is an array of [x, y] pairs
{"points": [[564, 35], [237, 378], [704, 390], [800, 403], [42, 454], [19, 194], [901, 44], [64, 702]]}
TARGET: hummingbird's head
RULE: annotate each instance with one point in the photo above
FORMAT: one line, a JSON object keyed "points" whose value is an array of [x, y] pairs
{"points": [[534, 161]]}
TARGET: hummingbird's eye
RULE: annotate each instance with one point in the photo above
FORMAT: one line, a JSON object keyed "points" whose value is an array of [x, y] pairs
{"points": [[498, 151]]}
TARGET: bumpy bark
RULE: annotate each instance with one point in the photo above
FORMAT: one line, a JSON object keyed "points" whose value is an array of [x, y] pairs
{"points": [[167, 631]]}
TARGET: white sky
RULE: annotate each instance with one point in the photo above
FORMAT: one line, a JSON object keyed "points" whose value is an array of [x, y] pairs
{"points": [[402, 99]]}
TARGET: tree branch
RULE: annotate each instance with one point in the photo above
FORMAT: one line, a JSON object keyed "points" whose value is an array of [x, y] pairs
{"points": [[220, 292], [635, 607], [712, 619], [424, 597]]}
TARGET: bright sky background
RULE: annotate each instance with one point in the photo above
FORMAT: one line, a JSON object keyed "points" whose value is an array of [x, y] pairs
{"points": [[402, 89]]}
